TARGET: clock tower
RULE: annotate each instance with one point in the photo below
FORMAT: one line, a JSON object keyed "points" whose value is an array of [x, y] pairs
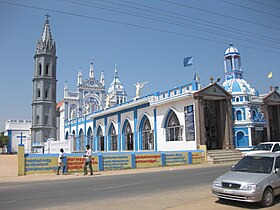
{"points": [[44, 89]]}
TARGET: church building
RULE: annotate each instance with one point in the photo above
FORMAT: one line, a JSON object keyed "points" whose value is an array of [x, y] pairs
{"points": [[230, 116]]}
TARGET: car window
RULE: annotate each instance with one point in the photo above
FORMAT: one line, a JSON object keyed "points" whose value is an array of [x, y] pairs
{"points": [[277, 164], [276, 148], [254, 164], [266, 147]]}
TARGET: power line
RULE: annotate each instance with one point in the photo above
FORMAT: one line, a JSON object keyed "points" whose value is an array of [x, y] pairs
{"points": [[235, 4], [149, 17], [129, 24], [219, 14], [221, 26], [266, 5]]}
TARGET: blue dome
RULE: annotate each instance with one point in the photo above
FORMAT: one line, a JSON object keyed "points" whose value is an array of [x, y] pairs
{"points": [[237, 86], [231, 50]]}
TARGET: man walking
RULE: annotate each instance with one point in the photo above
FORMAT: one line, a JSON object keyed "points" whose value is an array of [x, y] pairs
{"points": [[88, 160], [61, 162]]}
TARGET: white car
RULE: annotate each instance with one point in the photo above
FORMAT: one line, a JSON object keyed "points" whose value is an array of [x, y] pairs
{"points": [[265, 147]]}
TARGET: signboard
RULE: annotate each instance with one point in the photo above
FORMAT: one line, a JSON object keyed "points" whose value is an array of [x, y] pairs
{"points": [[76, 163], [148, 160], [38, 165], [176, 158], [189, 123], [198, 157], [117, 162]]}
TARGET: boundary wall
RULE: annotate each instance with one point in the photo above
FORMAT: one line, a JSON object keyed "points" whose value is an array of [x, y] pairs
{"points": [[29, 164]]}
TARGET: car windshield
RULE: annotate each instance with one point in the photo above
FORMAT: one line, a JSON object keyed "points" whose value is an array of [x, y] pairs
{"points": [[265, 147], [254, 164]]}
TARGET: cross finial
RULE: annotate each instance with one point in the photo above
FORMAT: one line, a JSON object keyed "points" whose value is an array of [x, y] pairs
{"points": [[47, 16], [211, 79]]}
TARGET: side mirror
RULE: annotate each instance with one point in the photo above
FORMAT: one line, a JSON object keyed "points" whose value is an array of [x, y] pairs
{"points": [[277, 170]]}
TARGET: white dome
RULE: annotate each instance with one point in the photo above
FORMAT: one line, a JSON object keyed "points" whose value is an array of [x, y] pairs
{"points": [[231, 50]]}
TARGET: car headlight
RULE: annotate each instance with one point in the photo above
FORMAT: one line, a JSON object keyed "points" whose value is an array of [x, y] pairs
{"points": [[217, 183], [250, 187]]}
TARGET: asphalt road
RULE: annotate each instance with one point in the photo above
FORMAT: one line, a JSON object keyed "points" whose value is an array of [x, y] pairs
{"points": [[168, 189]]}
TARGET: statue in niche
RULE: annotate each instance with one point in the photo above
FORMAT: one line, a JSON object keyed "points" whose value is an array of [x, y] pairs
{"points": [[72, 113]]}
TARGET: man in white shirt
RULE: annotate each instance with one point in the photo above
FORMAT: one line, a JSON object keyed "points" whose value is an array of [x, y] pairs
{"points": [[88, 160], [61, 160]]}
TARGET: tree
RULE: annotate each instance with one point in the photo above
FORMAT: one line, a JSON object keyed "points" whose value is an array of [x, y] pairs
{"points": [[3, 139]]}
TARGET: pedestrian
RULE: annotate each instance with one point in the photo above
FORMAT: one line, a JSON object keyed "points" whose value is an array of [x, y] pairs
{"points": [[88, 160], [61, 161]]}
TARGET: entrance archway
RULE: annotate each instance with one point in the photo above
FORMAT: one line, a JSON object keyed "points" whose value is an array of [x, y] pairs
{"points": [[213, 117]]}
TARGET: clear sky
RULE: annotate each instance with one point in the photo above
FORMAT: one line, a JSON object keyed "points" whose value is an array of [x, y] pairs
{"points": [[147, 39]]}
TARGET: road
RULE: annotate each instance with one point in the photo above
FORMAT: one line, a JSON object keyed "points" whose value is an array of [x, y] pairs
{"points": [[167, 189]]}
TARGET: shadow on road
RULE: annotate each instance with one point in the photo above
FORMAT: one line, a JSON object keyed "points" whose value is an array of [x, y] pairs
{"points": [[247, 205]]}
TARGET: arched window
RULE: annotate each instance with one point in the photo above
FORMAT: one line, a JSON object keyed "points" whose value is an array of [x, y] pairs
{"points": [[46, 94], [46, 119], [90, 138], [47, 70], [237, 99], [74, 141], [38, 93], [100, 139], [238, 115], [66, 135], [173, 128], [128, 136], [113, 138], [82, 140], [40, 69], [37, 120], [147, 135], [254, 114]]}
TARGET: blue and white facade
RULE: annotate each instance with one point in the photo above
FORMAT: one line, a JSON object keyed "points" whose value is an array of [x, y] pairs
{"points": [[137, 125], [250, 125]]}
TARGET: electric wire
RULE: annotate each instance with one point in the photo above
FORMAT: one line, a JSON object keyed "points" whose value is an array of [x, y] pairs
{"points": [[238, 5], [219, 14], [129, 24], [149, 17]]}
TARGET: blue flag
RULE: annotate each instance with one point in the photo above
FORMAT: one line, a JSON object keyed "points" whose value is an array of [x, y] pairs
{"points": [[188, 61]]}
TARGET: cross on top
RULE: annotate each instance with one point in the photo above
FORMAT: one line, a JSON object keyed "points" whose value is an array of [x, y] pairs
{"points": [[47, 16]]}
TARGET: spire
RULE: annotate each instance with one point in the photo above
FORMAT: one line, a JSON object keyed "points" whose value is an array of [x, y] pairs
{"points": [[47, 30], [65, 90], [91, 70], [46, 44], [116, 73], [102, 78], [80, 77]]}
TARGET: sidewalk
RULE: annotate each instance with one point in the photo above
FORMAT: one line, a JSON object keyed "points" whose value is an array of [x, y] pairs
{"points": [[52, 177]]}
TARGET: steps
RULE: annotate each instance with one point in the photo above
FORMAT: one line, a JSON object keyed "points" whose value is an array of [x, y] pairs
{"points": [[223, 156]]}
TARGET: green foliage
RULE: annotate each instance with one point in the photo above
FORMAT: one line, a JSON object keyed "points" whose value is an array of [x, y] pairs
{"points": [[3, 139]]}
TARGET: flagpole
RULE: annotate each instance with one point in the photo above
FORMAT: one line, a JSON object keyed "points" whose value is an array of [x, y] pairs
{"points": [[193, 68]]}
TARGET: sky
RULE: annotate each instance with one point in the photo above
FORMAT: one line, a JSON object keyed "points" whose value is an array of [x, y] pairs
{"points": [[147, 39]]}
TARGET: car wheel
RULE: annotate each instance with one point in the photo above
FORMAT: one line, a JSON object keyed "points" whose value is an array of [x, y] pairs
{"points": [[268, 197]]}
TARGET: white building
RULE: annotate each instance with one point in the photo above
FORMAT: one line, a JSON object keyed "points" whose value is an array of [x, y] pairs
{"points": [[18, 132]]}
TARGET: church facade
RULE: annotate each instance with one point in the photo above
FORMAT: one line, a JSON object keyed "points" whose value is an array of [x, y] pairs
{"points": [[233, 115]]}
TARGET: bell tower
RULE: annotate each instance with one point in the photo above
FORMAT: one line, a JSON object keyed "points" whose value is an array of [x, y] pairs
{"points": [[44, 88]]}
